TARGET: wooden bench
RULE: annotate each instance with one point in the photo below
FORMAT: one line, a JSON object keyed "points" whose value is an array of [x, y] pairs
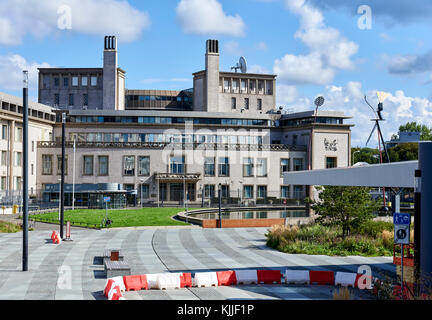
{"points": [[116, 268]]}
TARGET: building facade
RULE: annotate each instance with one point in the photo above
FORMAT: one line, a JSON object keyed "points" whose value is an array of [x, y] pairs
{"points": [[172, 146], [41, 126]]}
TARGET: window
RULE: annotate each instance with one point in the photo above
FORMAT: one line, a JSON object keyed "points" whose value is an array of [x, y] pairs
{"points": [[225, 193], [18, 159], [262, 167], [259, 104], [262, 192], [88, 165], [84, 81], [75, 81], [144, 166], [284, 192], [93, 81], [226, 85], [247, 192], [246, 103], [209, 191], [331, 162], [177, 165], [66, 82], [145, 191], [3, 184], [47, 164], [18, 134], [59, 165], [85, 99], [224, 167], [294, 139], [209, 167], [71, 99], [56, 82], [284, 166], [247, 167], [233, 103], [18, 185], [4, 158], [56, 99], [299, 194], [129, 165], [32, 169], [298, 164], [4, 132], [235, 86], [243, 84], [103, 165]]}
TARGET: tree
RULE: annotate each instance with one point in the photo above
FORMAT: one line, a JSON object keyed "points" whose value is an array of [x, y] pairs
{"points": [[368, 155], [348, 207], [403, 152]]}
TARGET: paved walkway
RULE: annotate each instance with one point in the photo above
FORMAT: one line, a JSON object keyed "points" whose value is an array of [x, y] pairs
{"points": [[72, 270]]}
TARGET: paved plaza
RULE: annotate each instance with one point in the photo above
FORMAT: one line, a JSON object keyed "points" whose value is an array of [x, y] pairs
{"points": [[74, 270]]}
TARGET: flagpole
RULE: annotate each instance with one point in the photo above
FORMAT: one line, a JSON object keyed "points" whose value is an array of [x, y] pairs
{"points": [[73, 178]]}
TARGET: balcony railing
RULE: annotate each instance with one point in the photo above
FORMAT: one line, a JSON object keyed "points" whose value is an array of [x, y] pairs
{"points": [[176, 146]]}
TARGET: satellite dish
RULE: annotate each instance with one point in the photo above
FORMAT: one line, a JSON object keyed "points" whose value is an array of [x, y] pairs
{"points": [[319, 101], [242, 65]]}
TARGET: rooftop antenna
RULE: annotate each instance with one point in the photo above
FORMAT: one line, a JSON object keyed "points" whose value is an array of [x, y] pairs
{"points": [[242, 65], [319, 101]]}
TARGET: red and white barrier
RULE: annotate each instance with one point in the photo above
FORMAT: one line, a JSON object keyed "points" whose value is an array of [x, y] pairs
{"points": [[246, 276], [169, 281], [269, 276], [205, 279], [226, 278], [346, 279], [152, 280], [185, 280], [321, 277], [297, 276]]}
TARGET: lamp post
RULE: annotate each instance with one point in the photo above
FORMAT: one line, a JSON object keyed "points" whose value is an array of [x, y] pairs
{"points": [[25, 172], [73, 178], [220, 204], [354, 155], [62, 175], [141, 187]]}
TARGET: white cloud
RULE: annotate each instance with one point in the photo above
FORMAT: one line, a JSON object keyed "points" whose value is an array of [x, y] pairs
{"points": [[97, 17], [207, 17], [13, 65], [232, 48], [329, 50], [256, 68], [398, 108], [261, 46]]}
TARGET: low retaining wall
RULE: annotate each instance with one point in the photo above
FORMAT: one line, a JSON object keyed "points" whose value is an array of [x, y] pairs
{"points": [[242, 223]]}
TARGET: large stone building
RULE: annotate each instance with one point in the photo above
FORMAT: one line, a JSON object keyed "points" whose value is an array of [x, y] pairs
{"points": [[41, 125], [163, 145], [156, 145]]}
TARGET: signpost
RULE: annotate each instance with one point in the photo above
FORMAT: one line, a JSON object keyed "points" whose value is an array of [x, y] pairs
{"points": [[402, 222], [106, 200]]}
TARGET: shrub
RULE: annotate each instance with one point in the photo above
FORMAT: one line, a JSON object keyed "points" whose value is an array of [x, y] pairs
{"points": [[373, 228], [342, 294]]}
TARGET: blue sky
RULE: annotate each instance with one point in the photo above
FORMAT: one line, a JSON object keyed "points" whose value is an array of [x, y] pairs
{"points": [[316, 47]]}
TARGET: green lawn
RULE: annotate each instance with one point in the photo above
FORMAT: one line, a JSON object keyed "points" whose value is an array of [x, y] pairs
{"points": [[7, 227], [120, 218]]}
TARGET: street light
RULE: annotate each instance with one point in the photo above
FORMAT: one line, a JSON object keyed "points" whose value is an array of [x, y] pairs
{"points": [[141, 187], [25, 171], [220, 205]]}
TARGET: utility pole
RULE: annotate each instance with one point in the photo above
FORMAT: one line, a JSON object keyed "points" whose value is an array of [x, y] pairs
{"points": [[25, 172]]}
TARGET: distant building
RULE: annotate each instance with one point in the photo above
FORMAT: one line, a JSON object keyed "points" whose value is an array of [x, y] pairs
{"points": [[404, 137]]}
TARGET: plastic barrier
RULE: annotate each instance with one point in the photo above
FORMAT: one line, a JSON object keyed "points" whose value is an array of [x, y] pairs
{"points": [[110, 283], [55, 237], [346, 279], [297, 276], [226, 278], [152, 280], [246, 276], [186, 280], [115, 293], [206, 279], [269, 276], [321, 277], [135, 283], [119, 281], [168, 281]]}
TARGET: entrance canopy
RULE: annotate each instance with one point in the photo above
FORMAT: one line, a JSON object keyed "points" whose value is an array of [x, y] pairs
{"points": [[396, 174]]}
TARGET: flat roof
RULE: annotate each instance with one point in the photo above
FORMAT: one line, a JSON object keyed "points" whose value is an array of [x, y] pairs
{"points": [[311, 113], [395, 174], [19, 101]]}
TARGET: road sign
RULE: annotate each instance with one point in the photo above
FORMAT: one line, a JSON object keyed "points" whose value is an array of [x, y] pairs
{"points": [[401, 218], [107, 199], [401, 234]]}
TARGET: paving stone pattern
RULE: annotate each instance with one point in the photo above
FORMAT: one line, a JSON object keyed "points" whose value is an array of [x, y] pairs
{"points": [[74, 270]]}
